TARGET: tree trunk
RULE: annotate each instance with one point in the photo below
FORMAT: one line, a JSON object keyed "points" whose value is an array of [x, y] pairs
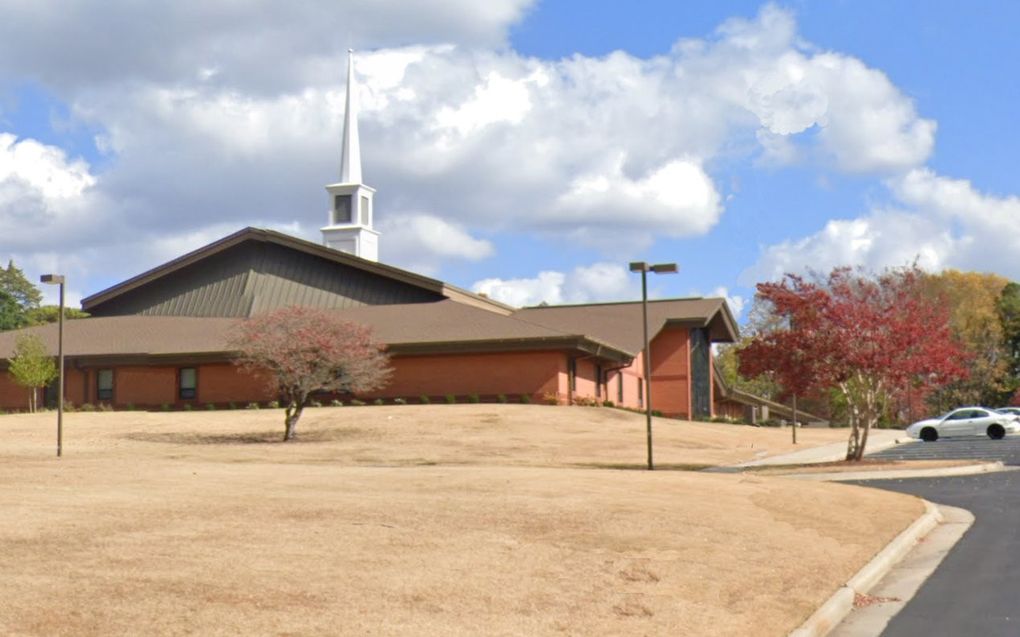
{"points": [[291, 416]]}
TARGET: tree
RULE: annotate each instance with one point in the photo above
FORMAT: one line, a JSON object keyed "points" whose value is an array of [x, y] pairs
{"points": [[49, 313], [868, 337], [305, 350], [32, 366], [971, 298], [13, 281], [12, 315]]}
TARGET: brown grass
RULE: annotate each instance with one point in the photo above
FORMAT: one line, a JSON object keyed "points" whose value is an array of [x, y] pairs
{"points": [[431, 520]]}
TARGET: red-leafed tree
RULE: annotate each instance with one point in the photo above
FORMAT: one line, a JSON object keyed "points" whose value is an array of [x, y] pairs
{"points": [[867, 336], [304, 350]]}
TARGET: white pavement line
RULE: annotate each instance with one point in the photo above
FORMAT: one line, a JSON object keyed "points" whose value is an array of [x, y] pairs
{"points": [[897, 588], [837, 607], [893, 474]]}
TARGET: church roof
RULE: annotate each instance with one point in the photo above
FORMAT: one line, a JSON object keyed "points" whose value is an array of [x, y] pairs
{"points": [[215, 280], [610, 331]]}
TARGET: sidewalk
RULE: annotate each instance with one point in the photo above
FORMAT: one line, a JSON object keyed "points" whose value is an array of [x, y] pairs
{"points": [[878, 439]]}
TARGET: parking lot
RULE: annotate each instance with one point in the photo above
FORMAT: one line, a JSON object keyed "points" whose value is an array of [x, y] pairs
{"points": [[966, 448]]}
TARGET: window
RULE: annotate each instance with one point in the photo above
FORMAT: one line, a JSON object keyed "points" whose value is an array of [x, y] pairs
{"points": [[598, 381], [366, 211], [104, 384], [572, 374], [619, 388], [342, 209], [188, 383], [641, 392]]}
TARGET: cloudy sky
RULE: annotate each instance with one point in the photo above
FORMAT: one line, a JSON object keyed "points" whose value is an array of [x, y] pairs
{"points": [[528, 149]]}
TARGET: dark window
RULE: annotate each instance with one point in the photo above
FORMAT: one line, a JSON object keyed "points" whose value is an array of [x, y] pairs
{"points": [[342, 209], [701, 381], [619, 388], [598, 381], [572, 374], [104, 384], [188, 383], [641, 392]]}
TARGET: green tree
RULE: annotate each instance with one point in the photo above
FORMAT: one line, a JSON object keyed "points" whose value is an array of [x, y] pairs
{"points": [[49, 314], [32, 366], [13, 282], [12, 315], [1008, 306]]}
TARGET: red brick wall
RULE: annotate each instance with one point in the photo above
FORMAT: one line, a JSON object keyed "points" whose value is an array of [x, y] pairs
{"points": [[222, 383], [511, 374], [671, 391]]}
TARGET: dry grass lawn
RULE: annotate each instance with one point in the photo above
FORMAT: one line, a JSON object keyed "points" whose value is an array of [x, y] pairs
{"points": [[425, 520]]}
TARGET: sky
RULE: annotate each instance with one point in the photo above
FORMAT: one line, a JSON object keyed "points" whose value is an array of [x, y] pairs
{"points": [[527, 149]]}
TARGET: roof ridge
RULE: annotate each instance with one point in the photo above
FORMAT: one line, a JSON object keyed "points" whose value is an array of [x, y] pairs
{"points": [[603, 303]]}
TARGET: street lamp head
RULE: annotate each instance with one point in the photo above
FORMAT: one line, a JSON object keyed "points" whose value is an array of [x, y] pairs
{"points": [[664, 268], [54, 279], [638, 266]]}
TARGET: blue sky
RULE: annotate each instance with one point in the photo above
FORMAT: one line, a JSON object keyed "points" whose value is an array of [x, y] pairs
{"points": [[525, 149]]}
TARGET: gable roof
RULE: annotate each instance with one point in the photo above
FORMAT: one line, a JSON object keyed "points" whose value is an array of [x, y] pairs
{"points": [[270, 237], [620, 323]]}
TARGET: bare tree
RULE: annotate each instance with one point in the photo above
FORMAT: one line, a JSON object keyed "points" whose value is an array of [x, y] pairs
{"points": [[305, 350]]}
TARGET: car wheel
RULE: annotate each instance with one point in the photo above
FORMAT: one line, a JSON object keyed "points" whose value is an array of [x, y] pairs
{"points": [[928, 434], [996, 432]]}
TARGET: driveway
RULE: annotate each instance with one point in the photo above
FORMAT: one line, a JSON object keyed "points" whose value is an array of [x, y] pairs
{"points": [[974, 591], [970, 448]]}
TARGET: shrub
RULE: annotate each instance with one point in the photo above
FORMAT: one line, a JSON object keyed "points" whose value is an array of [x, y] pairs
{"points": [[336, 403], [474, 398], [525, 399], [105, 407], [88, 407], [425, 400], [377, 402], [231, 406], [187, 407], [451, 399], [399, 401], [357, 403], [68, 406], [314, 403], [165, 406], [608, 403], [549, 398], [657, 413], [252, 405], [273, 404], [501, 398], [210, 406]]}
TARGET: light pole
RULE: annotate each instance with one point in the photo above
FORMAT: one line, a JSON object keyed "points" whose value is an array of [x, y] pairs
{"points": [[644, 268], [58, 279]]}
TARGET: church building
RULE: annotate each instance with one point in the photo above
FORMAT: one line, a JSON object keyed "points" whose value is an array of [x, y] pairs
{"points": [[161, 339]]}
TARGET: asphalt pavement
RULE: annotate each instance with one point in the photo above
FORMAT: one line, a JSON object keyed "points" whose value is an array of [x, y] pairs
{"points": [[976, 589], [969, 448]]}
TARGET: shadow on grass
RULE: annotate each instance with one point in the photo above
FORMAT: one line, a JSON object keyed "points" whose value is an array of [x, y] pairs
{"points": [[248, 438], [641, 466]]}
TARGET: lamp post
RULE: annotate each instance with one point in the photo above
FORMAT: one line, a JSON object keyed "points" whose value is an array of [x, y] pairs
{"points": [[58, 279], [644, 268]]}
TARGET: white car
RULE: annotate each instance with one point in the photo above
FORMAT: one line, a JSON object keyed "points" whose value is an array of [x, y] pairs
{"points": [[966, 421]]}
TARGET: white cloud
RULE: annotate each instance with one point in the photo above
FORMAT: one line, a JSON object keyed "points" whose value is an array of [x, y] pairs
{"points": [[421, 242], [231, 112], [735, 301], [585, 284], [936, 221]]}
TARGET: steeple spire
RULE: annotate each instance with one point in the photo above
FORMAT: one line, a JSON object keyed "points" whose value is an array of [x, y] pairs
{"points": [[350, 158], [349, 228]]}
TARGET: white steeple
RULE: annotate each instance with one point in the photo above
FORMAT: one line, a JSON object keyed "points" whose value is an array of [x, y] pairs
{"points": [[349, 228]]}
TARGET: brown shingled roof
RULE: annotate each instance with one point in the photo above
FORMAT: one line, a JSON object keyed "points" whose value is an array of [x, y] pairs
{"points": [[609, 330]]}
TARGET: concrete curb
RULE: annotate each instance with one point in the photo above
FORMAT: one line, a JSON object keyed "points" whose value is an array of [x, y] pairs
{"points": [[837, 607], [893, 474]]}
